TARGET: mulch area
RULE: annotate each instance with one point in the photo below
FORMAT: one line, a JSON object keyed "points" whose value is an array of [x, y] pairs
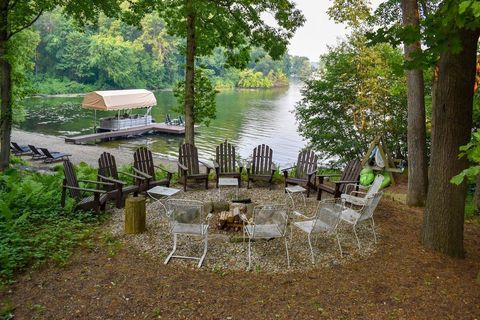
{"points": [[400, 280]]}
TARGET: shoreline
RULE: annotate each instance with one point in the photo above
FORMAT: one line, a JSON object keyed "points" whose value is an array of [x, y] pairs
{"points": [[80, 152]]}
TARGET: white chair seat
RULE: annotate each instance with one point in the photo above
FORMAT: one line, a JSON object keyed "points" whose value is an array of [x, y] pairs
{"points": [[190, 229], [310, 225], [263, 231], [349, 215]]}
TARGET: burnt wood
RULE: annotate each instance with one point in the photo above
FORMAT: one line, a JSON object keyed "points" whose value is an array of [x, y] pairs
{"points": [[351, 174], [95, 202], [226, 162], [261, 167], [189, 165], [305, 169], [107, 172], [144, 167]]}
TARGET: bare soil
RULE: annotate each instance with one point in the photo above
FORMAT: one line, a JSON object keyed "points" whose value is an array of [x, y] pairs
{"points": [[399, 280]]}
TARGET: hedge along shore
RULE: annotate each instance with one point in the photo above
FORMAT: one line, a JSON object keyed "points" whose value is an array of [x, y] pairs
{"points": [[80, 153]]}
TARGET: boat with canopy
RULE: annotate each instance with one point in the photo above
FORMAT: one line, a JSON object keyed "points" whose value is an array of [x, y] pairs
{"points": [[121, 101]]}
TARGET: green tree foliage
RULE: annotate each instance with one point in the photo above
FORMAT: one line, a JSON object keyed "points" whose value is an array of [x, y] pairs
{"points": [[205, 95], [472, 152], [359, 95]]}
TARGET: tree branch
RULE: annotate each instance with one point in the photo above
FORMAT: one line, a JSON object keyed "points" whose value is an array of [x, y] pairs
{"points": [[29, 24]]}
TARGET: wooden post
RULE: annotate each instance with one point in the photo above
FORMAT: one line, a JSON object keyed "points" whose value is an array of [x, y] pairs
{"points": [[135, 215]]}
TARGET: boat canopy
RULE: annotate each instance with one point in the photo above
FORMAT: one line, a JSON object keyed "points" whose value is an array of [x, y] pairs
{"points": [[119, 99]]}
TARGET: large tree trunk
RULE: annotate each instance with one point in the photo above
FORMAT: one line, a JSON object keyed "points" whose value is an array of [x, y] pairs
{"points": [[442, 228], [5, 90], [190, 74], [417, 150]]}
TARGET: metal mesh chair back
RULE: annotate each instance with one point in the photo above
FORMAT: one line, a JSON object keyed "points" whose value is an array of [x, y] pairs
{"points": [[328, 214], [269, 221], [185, 215], [370, 206]]}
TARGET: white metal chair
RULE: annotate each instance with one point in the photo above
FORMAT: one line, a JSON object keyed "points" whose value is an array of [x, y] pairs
{"points": [[357, 197], [357, 214], [326, 219], [187, 217], [268, 221]]}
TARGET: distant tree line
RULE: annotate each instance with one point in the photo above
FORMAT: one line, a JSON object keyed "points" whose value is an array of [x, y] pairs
{"points": [[114, 55]]}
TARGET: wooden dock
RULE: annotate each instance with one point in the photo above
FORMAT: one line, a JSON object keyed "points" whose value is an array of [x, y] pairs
{"points": [[154, 127]]}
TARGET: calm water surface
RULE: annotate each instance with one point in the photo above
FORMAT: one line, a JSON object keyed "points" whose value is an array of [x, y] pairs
{"points": [[244, 117]]}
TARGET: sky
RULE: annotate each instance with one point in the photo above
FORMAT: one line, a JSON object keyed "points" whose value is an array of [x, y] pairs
{"points": [[318, 32]]}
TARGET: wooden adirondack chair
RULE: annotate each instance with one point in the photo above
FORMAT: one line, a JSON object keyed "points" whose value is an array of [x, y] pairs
{"points": [[95, 202], [261, 167], [144, 167], [189, 165], [306, 168], [351, 174], [226, 163], [107, 172]]}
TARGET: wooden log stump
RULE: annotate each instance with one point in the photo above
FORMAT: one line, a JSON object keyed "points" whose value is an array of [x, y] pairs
{"points": [[135, 214]]}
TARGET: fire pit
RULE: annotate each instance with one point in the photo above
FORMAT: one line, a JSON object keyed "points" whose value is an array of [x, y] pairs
{"points": [[230, 220]]}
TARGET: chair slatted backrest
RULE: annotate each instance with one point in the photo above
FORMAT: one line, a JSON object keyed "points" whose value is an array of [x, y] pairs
{"points": [[143, 161], [107, 167], [225, 157], [262, 160], [351, 173], [188, 156], [71, 179], [307, 162]]}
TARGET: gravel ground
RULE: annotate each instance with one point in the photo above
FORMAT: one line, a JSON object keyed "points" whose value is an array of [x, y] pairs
{"points": [[80, 153], [226, 250]]}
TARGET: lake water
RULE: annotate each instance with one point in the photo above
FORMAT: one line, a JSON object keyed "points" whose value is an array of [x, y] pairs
{"points": [[246, 118]]}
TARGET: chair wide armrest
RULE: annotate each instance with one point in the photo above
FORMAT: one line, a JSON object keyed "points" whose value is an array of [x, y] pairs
{"points": [[85, 189], [132, 175], [345, 181], [142, 173], [215, 164], [96, 182], [206, 164], [110, 179], [329, 175], [181, 166], [164, 169], [286, 169]]}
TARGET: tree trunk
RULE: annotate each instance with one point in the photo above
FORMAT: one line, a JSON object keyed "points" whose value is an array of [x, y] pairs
{"points": [[5, 90], [442, 228], [417, 149], [190, 74]]}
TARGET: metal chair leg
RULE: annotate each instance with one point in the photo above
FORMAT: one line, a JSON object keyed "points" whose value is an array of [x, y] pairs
{"points": [[249, 253], [173, 250], [339, 245], [205, 248], [286, 248], [356, 236], [311, 248], [373, 229]]}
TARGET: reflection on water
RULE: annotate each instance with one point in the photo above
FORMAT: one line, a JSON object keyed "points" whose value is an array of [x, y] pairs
{"points": [[245, 117]]}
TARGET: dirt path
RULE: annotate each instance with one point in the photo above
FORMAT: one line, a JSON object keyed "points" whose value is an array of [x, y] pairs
{"points": [[401, 280], [80, 153]]}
